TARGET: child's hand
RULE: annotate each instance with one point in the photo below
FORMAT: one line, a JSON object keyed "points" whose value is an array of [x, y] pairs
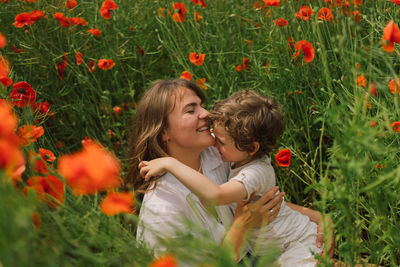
{"points": [[155, 167]]}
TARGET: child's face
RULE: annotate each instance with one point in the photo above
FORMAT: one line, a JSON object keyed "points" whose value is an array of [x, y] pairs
{"points": [[227, 148]]}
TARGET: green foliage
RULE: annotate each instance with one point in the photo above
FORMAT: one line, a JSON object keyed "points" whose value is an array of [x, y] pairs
{"points": [[335, 151]]}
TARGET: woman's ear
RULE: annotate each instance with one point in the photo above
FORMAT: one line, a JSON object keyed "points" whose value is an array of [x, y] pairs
{"points": [[256, 147], [165, 136]]}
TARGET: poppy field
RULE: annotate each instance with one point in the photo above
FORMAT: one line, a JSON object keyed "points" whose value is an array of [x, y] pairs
{"points": [[72, 71]]}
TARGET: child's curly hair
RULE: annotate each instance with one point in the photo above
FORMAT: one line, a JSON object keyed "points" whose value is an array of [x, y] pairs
{"points": [[249, 116]]}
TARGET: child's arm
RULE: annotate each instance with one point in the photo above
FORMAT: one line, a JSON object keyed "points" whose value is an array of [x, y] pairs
{"points": [[203, 187]]}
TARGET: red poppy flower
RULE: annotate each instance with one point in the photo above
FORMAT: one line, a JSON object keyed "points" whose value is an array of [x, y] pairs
{"points": [[78, 21], [29, 134], [91, 170], [50, 185], [8, 122], [307, 49], [180, 15], [356, 15], [165, 261], [117, 110], [71, 4], [115, 203], [96, 32], [325, 14], [304, 13], [197, 16], [186, 75], [201, 83], [161, 12], [196, 59], [266, 65], [3, 40], [47, 155], [199, 2], [391, 35], [272, 2], [106, 7], [92, 66], [394, 87], [283, 157], [396, 126], [41, 107], [36, 15], [280, 22], [105, 64], [64, 21], [79, 58], [242, 66], [397, 2], [361, 80], [372, 89], [23, 94], [16, 50], [4, 69], [23, 19]]}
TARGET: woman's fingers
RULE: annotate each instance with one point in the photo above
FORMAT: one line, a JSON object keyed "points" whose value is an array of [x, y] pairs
{"points": [[274, 204]]}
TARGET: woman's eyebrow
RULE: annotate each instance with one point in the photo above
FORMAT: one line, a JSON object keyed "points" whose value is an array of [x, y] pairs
{"points": [[193, 104]]}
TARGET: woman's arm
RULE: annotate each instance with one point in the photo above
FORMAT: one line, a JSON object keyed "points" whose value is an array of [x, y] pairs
{"points": [[200, 185]]}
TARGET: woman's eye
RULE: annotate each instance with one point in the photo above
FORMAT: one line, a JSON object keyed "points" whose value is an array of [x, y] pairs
{"points": [[190, 111]]}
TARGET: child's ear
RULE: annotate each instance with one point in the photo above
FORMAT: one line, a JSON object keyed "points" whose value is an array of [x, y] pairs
{"points": [[256, 147]]}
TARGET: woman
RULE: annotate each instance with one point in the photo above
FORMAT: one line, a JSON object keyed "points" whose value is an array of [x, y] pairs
{"points": [[171, 121]]}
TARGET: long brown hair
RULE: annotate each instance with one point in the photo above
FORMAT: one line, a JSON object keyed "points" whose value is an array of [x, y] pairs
{"points": [[150, 121]]}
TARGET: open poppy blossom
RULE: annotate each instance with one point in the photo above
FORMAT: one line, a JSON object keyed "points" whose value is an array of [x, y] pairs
{"points": [[199, 2], [106, 7], [179, 16], [29, 134], [96, 32], [36, 15], [64, 21], [272, 3], [325, 14], [391, 35], [71, 4], [394, 87], [304, 13], [165, 261], [280, 22], [50, 185], [361, 81], [283, 158], [186, 75], [396, 126], [23, 94], [78, 21], [105, 64], [4, 69], [307, 49], [79, 58], [42, 108], [201, 83], [23, 19], [243, 66], [91, 170], [115, 203], [196, 59]]}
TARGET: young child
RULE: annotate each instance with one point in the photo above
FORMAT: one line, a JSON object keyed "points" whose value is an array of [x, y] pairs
{"points": [[246, 126]]}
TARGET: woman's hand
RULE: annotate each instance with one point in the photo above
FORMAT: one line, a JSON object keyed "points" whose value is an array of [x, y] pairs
{"points": [[155, 167], [330, 245], [261, 211]]}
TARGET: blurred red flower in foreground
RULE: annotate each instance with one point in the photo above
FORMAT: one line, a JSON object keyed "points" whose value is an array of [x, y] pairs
{"points": [[304, 13], [199, 2], [280, 22], [3, 40], [394, 87], [180, 15], [325, 14], [283, 157], [391, 35], [29, 134], [396, 126], [23, 94], [91, 170], [243, 66], [105, 64], [397, 2], [47, 185], [96, 32], [106, 7], [165, 261], [307, 49], [115, 203], [272, 2], [4, 69], [196, 59], [186, 75]]}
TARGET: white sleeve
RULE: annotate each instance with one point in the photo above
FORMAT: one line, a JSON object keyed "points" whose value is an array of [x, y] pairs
{"points": [[258, 178]]}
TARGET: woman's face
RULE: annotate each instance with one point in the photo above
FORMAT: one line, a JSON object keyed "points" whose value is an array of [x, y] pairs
{"points": [[187, 129]]}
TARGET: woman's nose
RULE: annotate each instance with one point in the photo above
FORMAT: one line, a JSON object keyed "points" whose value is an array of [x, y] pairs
{"points": [[203, 113]]}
